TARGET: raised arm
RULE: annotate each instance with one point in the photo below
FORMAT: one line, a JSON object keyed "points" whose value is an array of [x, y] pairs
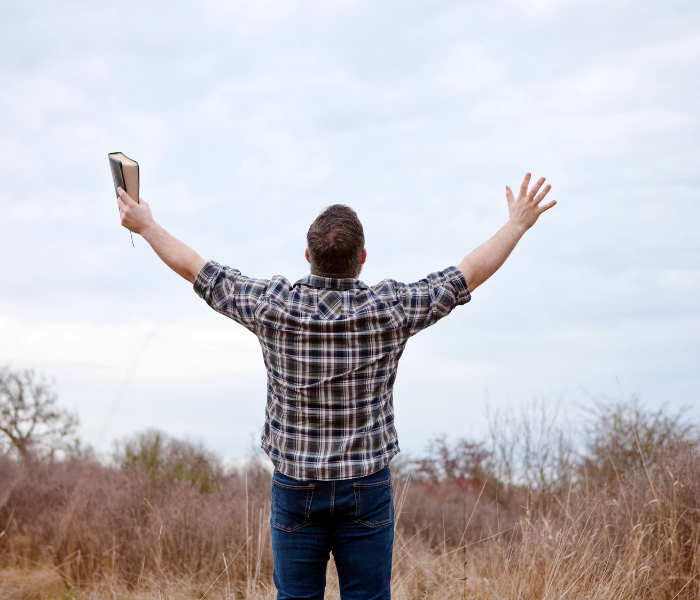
{"points": [[137, 217], [524, 211]]}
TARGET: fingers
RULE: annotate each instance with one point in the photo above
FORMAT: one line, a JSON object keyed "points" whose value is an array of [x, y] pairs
{"points": [[547, 206], [124, 202], [124, 197], [525, 183], [531, 200], [542, 194], [536, 188]]}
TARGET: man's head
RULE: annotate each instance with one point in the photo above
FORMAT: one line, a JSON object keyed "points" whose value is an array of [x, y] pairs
{"points": [[336, 243]]}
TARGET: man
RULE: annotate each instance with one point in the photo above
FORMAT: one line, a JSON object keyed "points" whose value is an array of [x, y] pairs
{"points": [[331, 346]]}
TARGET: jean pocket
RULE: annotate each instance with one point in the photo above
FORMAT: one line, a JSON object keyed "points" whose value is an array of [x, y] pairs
{"points": [[291, 505], [373, 502]]}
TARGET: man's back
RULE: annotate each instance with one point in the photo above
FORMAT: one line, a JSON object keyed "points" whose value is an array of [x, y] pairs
{"points": [[331, 349], [331, 346]]}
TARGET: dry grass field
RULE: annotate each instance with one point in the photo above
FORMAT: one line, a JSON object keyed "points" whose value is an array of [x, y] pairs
{"points": [[617, 519]]}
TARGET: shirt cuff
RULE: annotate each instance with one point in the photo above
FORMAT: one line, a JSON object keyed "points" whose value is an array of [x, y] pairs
{"points": [[454, 276], [206, 276]]}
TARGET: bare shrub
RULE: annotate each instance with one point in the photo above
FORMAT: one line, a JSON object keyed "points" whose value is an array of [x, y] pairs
{"points": [[446, 482], [120, 532], [637, 540], [621, 433], [165, 461], [95, 523], [462, 462], [532, 448]]}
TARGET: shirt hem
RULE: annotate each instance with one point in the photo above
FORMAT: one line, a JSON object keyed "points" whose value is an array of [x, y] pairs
{"points": [[288, 468]]}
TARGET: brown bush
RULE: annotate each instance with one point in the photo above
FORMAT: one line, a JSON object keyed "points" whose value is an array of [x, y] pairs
{"points": [[639, 539], [96, 523], [107, 530]]}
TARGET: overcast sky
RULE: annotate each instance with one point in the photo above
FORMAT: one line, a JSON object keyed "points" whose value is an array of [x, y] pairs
{"points": [[248, 117]]}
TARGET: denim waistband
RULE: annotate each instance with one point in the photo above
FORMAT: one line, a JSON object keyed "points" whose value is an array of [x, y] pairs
{"points": [[381, 475]]}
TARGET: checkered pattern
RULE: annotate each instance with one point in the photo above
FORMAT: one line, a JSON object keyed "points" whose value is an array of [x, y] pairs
{"points": [[331, 348]]}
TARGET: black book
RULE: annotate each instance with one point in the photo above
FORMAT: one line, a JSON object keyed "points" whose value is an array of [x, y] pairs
{"points": [[125, 174]]}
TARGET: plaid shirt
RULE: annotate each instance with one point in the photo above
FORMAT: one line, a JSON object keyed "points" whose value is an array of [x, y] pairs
{"points": [[331, 349]]}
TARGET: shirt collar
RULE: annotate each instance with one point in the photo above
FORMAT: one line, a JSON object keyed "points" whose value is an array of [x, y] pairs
{"points": [[331, 283]]}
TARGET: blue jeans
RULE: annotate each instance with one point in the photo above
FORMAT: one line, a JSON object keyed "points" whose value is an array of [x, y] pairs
{"points": [[352, 518]]}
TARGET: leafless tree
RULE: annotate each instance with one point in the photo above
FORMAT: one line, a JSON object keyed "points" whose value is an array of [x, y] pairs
{"points": [[532, 447], [31, 423], [453, 460], [621, 435]]}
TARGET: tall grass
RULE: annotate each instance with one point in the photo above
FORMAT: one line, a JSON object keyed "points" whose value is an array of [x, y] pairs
{"points": [[97, 524], [637, 540], [463, 531]]}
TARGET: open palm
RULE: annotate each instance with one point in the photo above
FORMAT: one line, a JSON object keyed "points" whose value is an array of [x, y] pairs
{"points": [[526, 209]]}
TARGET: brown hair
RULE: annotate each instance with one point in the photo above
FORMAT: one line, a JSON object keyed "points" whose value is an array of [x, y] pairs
{"points": [[335, 241]]}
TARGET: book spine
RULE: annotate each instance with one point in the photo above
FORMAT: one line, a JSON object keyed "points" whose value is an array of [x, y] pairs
{"points": [[117, 174], [118, 179]]}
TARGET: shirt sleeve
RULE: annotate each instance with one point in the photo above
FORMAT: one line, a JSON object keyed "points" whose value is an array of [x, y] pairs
{"points": [[427, 301], [230, 293]]}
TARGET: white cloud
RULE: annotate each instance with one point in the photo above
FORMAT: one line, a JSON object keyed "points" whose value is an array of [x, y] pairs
{"points": [[273, 95], [190, 349], [263, 17], [97, 67], [248, 117], [679, 279], [16, 156], [29, 101], [538, 8], [469, 70]]}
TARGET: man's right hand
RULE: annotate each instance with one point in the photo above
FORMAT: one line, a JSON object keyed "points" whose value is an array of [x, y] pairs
{"points": [[135, 216], [525, 209]]}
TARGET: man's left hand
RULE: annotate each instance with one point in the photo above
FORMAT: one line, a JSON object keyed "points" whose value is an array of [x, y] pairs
{"points": [[135, 216]]}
